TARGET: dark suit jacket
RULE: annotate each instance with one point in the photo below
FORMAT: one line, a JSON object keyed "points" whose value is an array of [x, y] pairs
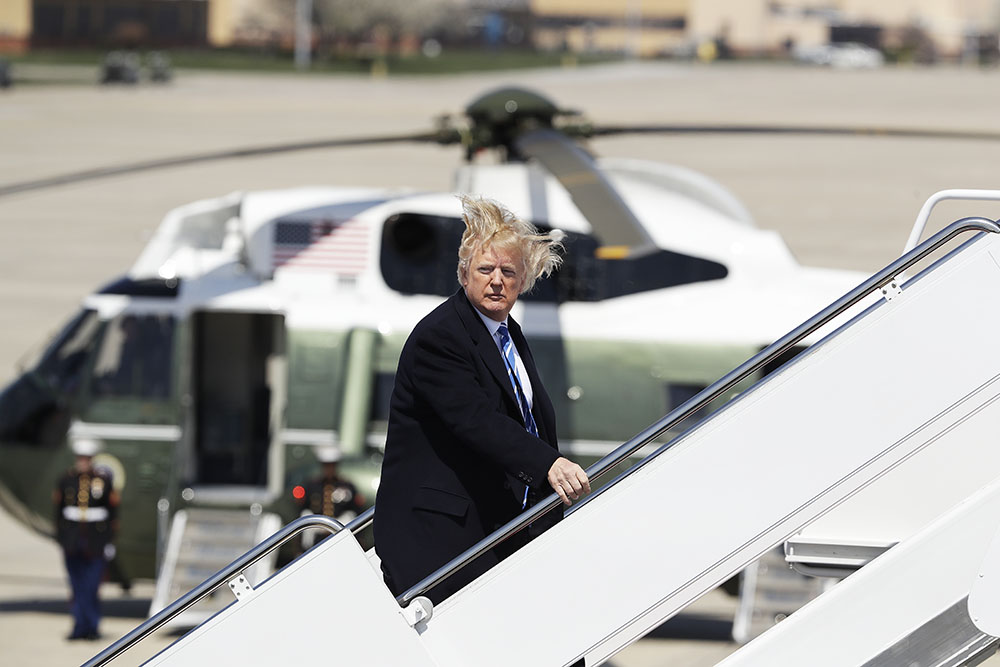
{"points": [[457, 455]]}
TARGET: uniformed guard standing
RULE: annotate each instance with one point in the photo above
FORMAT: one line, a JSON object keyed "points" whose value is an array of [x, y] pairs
{"points": [[328, 493], [86, 506]]}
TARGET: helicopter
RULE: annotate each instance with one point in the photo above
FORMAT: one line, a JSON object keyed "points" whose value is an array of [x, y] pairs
{"points": [[256, 327]]}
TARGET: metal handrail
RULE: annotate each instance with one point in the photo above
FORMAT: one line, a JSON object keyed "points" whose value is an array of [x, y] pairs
{"points": [[700, 400], [937, 198], [226, 574], [361, 521]]}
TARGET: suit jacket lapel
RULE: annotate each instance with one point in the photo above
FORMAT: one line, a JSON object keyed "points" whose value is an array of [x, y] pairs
{"points": [[485, 346], [522, 349]]}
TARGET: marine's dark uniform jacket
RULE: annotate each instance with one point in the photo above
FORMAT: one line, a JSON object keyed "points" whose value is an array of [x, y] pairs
{"points": [[457, 454], [86, 507], [331, 497]]}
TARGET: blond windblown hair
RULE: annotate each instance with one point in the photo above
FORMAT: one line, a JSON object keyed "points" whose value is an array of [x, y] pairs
{"points": [[488, 223]]}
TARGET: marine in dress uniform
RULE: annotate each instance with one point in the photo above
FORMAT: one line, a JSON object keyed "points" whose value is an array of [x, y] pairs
{"points": [[328, 493], [86, 507]]}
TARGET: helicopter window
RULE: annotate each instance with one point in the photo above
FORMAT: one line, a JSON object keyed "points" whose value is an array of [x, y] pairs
{"points": [[134, 358], [657, 270], [63, 362], [420, 253], [34, 409], [151, 287], [206, 229]]}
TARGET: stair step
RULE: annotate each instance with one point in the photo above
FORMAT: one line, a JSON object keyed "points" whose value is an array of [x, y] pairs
{"points": [[210, 541]]}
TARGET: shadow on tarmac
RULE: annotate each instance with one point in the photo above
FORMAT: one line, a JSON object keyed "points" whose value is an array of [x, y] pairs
{"points": [[116, 608]]}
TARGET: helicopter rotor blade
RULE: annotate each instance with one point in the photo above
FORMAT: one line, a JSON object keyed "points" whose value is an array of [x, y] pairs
{"points": [[901, 132], [590, 189], [441, 137]]}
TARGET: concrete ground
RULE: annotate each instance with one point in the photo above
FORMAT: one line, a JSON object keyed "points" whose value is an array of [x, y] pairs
{"points": [[846, 202]]}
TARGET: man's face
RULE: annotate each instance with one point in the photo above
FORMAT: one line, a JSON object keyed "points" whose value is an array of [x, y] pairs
{"points": [[494, 281]]}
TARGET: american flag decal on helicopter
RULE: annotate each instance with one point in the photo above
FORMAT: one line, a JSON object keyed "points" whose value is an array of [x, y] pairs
{"points": [[340, 246]]}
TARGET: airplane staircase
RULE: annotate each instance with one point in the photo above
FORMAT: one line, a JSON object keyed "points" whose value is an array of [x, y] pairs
{"points": [[770, 591], [810, 435], [884, 514], [201, 542], [907, 607]]}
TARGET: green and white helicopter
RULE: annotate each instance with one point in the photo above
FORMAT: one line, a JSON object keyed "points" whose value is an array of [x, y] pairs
{"points": [[258, 326]]}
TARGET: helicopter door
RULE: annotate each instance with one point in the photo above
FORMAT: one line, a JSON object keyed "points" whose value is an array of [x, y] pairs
{"points": [[239, 393]]}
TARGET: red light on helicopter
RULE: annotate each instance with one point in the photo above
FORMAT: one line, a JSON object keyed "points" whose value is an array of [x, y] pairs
{"points": [[298, 493]]}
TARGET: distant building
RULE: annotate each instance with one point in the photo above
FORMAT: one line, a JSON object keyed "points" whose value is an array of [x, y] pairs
{"points": [[942, 28], [252, 22], [15, 25], [106, 23], [918, 29], [636, 27], [134, 23], [213, 23]]}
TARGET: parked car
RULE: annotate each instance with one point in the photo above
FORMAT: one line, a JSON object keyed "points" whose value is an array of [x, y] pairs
{"points": [[848, 55]]}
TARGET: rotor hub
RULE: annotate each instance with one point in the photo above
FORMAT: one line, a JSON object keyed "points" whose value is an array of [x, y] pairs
{"points": [[498, 117]]}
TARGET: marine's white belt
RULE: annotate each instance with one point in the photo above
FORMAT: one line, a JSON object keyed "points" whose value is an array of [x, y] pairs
{"points": [[85, 514]]}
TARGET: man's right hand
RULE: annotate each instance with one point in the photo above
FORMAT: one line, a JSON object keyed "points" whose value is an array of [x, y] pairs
{"points": [[568, 480]]}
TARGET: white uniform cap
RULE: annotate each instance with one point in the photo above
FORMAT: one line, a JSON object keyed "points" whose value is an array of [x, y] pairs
{"points": [[328, 454], [85, 446]]}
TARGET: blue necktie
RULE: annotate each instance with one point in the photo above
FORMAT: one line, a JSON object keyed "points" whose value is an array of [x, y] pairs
{"points": [[515, 382]]}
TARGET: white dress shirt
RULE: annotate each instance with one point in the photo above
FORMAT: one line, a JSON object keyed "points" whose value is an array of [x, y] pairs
{"points": [[522, 372]]}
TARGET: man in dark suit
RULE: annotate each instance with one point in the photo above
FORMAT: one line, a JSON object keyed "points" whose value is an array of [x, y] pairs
{"points": [[471, 439]]}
